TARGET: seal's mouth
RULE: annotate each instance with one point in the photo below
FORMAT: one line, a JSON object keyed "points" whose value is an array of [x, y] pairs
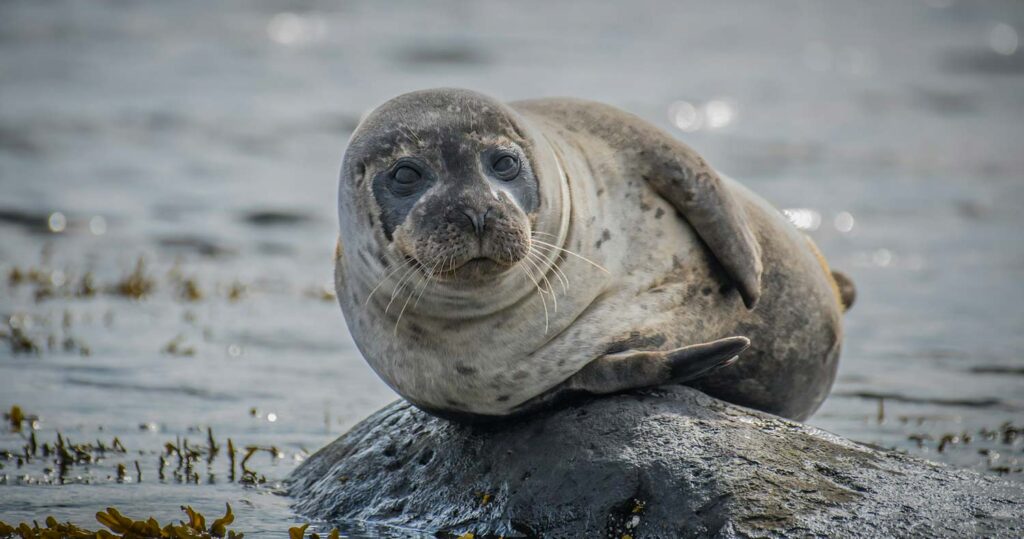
{"points": [[475, 269]]}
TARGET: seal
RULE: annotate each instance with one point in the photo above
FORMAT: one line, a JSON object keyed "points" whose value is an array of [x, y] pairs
{"points": [[497, 258]]}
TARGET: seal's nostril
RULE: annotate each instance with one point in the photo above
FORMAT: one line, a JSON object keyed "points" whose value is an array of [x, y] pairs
{"points": [[475, 219]]}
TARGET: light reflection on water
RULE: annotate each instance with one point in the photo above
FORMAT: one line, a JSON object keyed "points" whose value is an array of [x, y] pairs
{"points": [[208, 141]]}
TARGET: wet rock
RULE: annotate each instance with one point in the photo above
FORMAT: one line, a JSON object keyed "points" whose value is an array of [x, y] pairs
{"points": [[666, 463], [195, 244], [275, 218], [984, 62], [442, 54], [32, 222]]}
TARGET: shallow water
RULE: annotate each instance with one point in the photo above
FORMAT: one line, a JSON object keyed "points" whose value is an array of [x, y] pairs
{"points": [[206, 142]]}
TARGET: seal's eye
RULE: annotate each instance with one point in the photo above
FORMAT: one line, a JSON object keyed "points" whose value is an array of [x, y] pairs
{"points": [[505, 166], [406, 180], [406, 175]]}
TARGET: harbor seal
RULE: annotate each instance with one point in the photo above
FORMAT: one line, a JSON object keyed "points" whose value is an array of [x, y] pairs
{"points": [[496, 258]]}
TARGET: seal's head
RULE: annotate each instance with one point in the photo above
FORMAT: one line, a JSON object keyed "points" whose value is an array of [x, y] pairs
{"points": [[448, 180]]}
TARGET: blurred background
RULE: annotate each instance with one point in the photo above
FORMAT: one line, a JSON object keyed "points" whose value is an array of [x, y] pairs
{"points": [[168, 174]]}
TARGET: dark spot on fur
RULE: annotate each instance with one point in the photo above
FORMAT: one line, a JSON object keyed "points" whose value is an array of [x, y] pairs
{"points": [[519, 375], [561, 362], [464, 370], [645, 207], [605, 236], [706, 290], [636, 341], [502, 398], [600, 191], [658, 213], [369, 217]]}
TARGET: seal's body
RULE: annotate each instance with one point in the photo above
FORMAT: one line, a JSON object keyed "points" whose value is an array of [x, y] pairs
{"points": [[494, 258]]}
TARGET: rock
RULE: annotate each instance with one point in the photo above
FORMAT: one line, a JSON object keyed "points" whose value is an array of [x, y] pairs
{"points": [[666, 463]]}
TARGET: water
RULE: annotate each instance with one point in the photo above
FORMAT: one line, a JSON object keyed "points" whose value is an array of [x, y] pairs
{"points": [[205, 140]]}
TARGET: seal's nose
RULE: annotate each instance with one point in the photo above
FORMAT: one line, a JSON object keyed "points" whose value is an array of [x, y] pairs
{"points": [[471, 218]]}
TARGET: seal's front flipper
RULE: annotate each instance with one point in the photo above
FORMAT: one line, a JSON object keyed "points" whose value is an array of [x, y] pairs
{"points": [[702, 198], [681, 176], [636, 369]]}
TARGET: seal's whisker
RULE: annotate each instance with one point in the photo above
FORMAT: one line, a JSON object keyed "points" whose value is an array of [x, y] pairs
{"points": [[577, 255], [544, 263], [564, 278], [542, 300], [433, 270], [548, 289], [554, 237], [559, 274], [401, 285], [386, 277], [412, 293]]}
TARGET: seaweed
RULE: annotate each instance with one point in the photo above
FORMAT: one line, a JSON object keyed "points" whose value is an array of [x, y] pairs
{"points": [[236, 291], [137, 284], [15, 417], [322, 293], [19, 339], [121, 526], [190, 290], [175, 347]]}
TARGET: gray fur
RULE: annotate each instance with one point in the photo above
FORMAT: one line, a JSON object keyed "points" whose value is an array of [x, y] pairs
{"points": [[690, 258]]}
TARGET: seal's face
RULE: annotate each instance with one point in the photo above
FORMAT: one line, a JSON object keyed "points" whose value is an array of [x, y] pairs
{"points": [[458, 208], [451, 184]]}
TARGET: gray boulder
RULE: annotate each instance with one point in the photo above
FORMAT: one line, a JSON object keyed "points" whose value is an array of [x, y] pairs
{"points": [[671, 462]]}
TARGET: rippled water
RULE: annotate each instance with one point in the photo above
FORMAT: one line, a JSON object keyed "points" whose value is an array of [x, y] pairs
{"points": [[205, 139]]}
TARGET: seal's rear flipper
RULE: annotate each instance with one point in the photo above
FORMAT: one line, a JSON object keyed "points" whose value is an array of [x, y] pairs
{"points": [[636, 369], [847, 291], [699, 360]]}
